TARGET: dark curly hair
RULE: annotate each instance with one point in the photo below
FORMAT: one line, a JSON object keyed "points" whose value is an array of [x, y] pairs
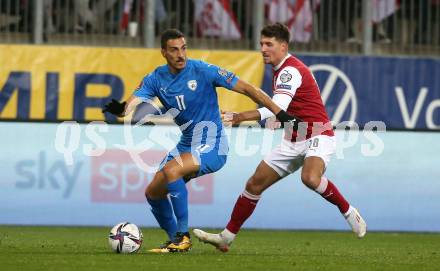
{"points": [[278, 31]]}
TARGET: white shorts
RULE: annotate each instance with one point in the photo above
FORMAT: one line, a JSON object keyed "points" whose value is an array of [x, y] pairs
{"points": [[288, 157]]}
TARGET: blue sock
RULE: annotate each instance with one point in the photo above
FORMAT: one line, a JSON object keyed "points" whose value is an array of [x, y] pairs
{"points": [[163, 213], [179, 200]]}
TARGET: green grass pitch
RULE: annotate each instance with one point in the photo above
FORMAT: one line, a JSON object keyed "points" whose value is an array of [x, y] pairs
{"points": [[85, 248]]}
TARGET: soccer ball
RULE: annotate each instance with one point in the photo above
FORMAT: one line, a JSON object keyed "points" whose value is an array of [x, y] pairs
{"points": [[125, 237]]}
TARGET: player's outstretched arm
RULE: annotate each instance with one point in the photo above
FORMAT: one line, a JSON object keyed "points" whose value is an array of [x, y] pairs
{"points": [[121, 109], [257, 95], [261, 98], [233, 118]]}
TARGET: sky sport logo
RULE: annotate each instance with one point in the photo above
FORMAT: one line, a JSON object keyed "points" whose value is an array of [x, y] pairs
{"points": [[115, 178]]}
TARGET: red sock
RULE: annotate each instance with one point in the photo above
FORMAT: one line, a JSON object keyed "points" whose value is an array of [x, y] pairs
{"points": [[243, 209], [329, 192]]}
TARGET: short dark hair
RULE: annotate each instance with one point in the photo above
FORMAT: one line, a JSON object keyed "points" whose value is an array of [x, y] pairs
{"points": [[278, 31], [170, 34]]}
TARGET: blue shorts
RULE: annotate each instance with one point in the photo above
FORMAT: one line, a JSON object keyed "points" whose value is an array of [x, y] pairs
{"points": [[210, 159]]}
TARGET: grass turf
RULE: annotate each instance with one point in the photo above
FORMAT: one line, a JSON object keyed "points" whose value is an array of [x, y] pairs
{"points": [[81, 248]]}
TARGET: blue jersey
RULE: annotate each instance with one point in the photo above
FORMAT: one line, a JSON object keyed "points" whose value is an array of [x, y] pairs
{"points": [[191, 92]]}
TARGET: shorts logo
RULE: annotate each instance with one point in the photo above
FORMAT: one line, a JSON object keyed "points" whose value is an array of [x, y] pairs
{"points": [[192, 85], [222, 72], [285, 77], [284, 86]]}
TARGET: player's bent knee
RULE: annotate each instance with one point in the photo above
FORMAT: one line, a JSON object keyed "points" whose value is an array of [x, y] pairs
{"points": [[254, 187], [310, 180], [171, 174]]}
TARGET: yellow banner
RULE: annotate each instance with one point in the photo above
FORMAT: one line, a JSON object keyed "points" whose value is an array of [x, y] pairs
{"points": [[42, 82]]}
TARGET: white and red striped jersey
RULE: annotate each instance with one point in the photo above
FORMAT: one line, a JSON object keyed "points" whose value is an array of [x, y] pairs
{"points": [[292, 77]]}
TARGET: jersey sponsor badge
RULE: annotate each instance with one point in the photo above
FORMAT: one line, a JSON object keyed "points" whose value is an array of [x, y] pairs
{"points": [[285, 77], [222, 72], [284, 86], [192, 84]]}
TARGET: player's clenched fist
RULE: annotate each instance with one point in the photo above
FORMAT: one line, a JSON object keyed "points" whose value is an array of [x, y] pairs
{"points": [[230, 118]]}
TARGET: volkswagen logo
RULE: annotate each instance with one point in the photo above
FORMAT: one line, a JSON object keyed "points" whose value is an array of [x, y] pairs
{"points": [[336, 78]]}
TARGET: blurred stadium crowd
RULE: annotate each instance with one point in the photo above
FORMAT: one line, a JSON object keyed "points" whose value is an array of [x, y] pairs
{"points": [[331, 26]]}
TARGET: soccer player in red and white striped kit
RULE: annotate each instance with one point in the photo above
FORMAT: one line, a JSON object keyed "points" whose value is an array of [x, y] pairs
{"points": [[309, 145]]}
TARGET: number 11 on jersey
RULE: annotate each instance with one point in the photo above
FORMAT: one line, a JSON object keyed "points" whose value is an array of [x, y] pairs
{"points": [[180, 102]]}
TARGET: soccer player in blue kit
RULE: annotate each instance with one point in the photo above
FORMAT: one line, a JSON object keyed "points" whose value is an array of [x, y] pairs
{"points": [[189, 86]]}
